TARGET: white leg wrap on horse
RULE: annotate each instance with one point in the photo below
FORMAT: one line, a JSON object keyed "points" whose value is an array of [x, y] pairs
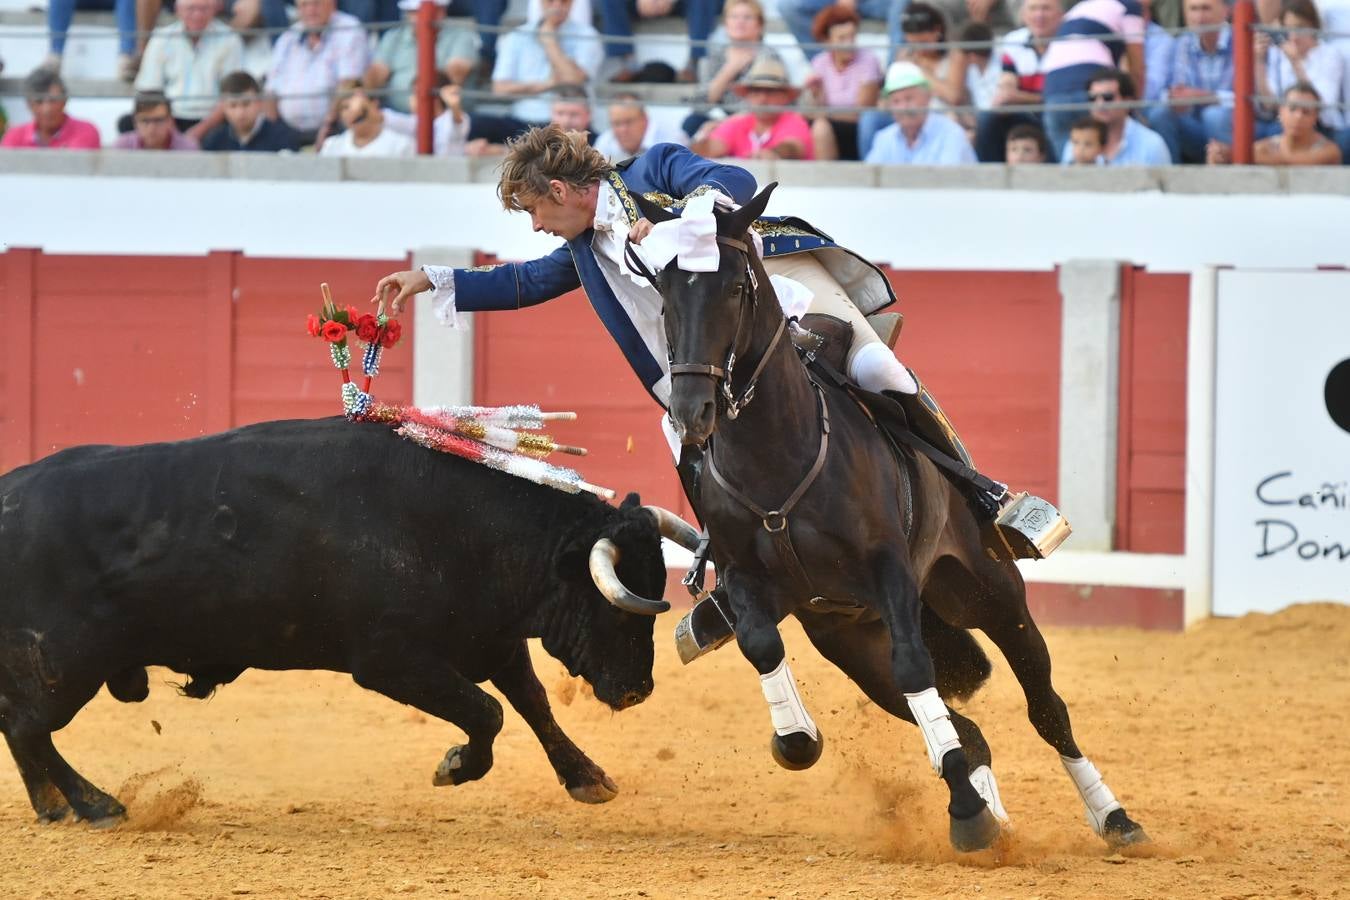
{"points": [[935, 723], [983, 781], [1097, 797], [875, 368], [786, 710]]}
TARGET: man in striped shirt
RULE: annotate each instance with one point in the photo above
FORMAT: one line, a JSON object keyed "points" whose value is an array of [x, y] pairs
{"points": [[1094, 34], [1019, 55]]}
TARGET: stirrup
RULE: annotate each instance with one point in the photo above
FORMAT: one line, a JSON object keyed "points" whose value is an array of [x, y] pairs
{"points": [[702, 630], [1030, 527]]}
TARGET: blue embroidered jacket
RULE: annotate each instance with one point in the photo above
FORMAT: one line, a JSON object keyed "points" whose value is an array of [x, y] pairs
{"points": [[668, 174]]}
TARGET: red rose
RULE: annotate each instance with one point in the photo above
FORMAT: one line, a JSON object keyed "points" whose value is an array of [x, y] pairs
{"points": [[333, 331], [352, 315], [367, 329], [392, 332], [312, 325]]}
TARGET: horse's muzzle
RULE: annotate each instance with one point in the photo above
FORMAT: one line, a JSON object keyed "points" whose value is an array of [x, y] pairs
{"points": [[693, 408]]}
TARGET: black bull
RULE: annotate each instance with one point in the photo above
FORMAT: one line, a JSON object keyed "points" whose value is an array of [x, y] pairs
{"points": [[311, 545]]}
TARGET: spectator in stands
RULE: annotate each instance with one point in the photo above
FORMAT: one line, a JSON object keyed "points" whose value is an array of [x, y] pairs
{"points": [[1299, 56], [982, 73], [395, 64], [323, 52], [450, 125], [767, 130], [1080, 48], [1128, 143], [186, 60], [730, 55], [919, 136], [1026, 145], [945, 71], [1021, 78], [246, 127], [1200, 83], [1087, 143], [152, 115], [534, 59], [51, 127], [616, 20], [60, 13], [570, 110], [1159, 51], [801, 15], [631, 132], [1298, 144], [844, 76], [365, 133], [487, 15]]}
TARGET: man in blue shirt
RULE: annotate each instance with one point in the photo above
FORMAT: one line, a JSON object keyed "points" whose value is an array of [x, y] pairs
{"points": [[1200, 85], [245, 127], [917, 138], [1128, 143], [538, 57]]}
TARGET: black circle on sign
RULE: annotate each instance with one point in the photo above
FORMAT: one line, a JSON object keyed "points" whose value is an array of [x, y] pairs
{"points": [[1338, 394]]}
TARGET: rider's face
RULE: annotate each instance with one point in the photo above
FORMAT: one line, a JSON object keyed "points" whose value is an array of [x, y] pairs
{"points": [[564, 212]]}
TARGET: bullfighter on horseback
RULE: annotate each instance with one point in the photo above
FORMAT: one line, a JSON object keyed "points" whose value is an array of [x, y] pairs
{"points": [[898, 551], [574, 193]]}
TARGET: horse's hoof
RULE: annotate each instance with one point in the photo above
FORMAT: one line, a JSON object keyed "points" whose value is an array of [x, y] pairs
{"points": [[602, 791], [796, 751], [53, 815], [451, 769], [1119, 830], [102, 823], [976, 833]]}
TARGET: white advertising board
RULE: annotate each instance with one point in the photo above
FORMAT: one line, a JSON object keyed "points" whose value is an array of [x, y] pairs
{"points": [[1281, 440]]}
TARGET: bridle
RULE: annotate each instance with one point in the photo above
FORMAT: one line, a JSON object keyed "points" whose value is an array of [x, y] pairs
{"points": [[731, 404]]}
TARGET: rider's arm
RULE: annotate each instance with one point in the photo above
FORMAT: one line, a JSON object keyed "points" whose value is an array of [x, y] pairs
{"points": [[507, 286], [678, 171]]}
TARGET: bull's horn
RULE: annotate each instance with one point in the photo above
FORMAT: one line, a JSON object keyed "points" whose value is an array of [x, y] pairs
{"points": [[604, 557], [675, 528]]}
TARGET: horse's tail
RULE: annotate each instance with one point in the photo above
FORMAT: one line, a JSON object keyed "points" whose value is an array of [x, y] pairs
{"points": [[958, 660]]}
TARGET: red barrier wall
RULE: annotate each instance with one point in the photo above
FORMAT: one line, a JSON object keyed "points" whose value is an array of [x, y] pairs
{"points": [[124, 350]]}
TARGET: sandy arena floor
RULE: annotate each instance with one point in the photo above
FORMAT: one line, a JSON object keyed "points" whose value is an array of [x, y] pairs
{"points": [[1229, 744]]}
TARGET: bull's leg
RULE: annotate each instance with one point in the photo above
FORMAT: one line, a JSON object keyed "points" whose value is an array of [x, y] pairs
{"points": [[863, 653], [34, 748], [584, 780], [797, 742], [47, 801], [1012, 629], [432, 685]]}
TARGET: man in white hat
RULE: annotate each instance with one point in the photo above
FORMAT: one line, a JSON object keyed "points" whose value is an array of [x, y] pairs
{"points": [[768, 130], [917, 137]]}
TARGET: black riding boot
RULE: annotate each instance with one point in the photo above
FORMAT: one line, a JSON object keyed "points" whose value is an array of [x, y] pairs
{"points": [[929, 422]]}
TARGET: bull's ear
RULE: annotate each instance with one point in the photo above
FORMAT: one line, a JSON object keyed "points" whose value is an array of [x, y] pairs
{"points": [[652, 212], [738, 222], [632, 501]]}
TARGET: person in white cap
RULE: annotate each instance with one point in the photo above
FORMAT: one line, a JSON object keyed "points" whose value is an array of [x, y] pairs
{"points": [[917, 137]]}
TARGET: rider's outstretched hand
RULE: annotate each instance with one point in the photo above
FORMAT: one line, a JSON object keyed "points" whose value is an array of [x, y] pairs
{"points": [[397, 289]]}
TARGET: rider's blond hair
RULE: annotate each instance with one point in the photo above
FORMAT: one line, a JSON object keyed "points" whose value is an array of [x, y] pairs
{"points": [[543, 154]]}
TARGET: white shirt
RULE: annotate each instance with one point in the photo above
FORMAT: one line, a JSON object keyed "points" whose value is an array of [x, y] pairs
{"points": [[387, 143], [447, 138], [1326, 70], [657, 133]]}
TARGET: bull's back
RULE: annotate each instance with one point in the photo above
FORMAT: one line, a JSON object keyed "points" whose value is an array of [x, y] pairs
{"points": [[281, 544]]}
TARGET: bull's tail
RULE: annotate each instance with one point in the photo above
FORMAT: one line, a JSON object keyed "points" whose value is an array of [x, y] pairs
{"points": [[130, 685], [958, 660]]}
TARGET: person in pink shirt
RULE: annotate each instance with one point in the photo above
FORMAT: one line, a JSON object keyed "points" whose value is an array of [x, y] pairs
{"points": [[51, 127], [842, 76], [767, 130], [154, 126]]}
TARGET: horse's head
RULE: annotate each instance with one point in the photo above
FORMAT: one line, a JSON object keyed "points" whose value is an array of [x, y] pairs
{"points": [[708, 317]]}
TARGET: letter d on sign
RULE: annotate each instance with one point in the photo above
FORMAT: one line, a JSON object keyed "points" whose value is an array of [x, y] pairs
{"points": [[1264, 525]]}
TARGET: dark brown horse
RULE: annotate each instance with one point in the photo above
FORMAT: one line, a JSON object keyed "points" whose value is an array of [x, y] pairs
{"points": [[878, 555]]}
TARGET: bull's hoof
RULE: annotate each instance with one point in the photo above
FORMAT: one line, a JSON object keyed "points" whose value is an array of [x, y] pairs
{"points": [[796, 751], [976, 833], [1119, 830], [461, 763], [601, 791]]}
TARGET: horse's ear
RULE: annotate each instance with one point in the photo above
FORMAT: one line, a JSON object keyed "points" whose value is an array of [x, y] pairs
{"points": [[738, 222], [652, 212]]}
